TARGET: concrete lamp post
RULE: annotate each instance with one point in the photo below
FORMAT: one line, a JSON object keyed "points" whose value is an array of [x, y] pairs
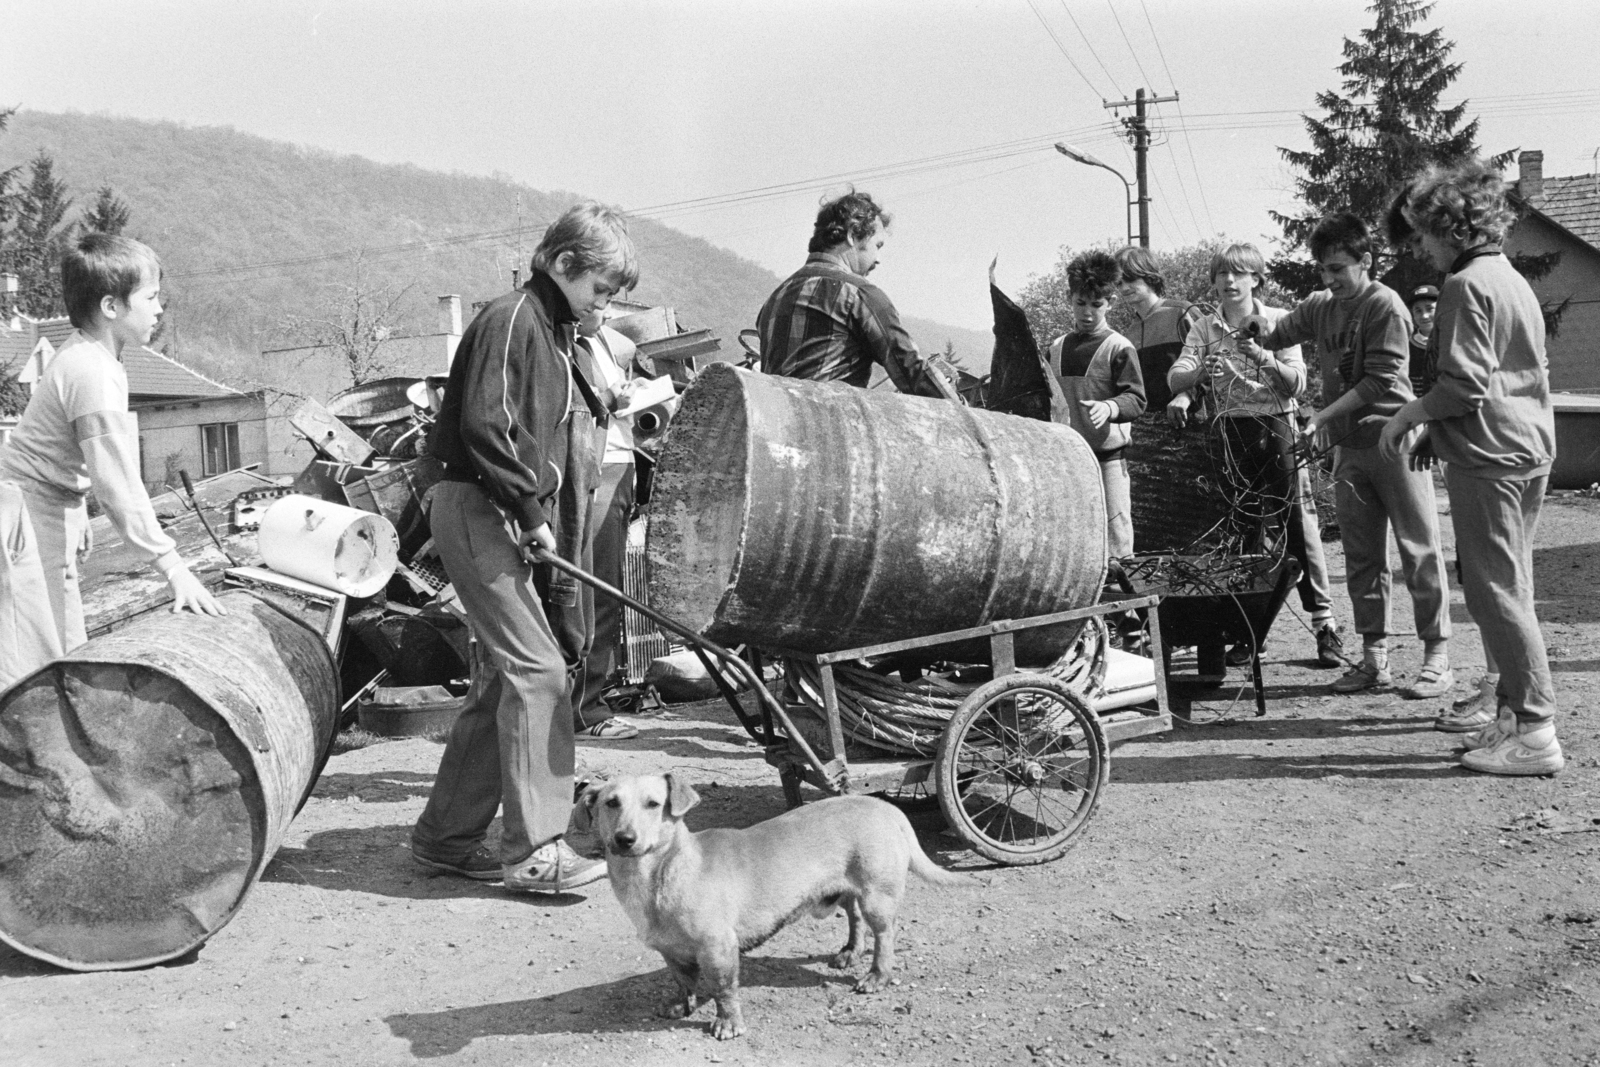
{"points": [[1080, 156]]}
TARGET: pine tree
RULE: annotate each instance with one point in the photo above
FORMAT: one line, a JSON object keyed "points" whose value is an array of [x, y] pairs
{"points": [[110, 213], [1385, 126], [35, 243], [7, 178]]}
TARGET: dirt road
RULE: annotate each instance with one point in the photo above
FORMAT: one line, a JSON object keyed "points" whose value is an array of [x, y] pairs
{"points": [[1323, 885]]}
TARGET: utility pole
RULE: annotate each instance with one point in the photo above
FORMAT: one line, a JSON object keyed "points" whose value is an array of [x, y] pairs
{"points": [[1139, 134]]}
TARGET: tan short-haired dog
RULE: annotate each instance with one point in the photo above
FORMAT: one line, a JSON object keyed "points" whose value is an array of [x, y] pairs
{"points": [[702, 898]]}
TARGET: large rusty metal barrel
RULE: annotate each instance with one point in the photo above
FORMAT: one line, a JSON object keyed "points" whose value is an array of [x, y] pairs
{"points": [[812, 517], [147, 777]]}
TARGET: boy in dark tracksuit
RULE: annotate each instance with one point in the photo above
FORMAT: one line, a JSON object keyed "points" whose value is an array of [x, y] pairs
{"points": [[1489, 418], [521, 435], [1099, 373]]}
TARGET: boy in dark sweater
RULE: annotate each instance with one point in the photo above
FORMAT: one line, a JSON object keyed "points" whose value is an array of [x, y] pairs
{"points": [[521, 436], [1489, 418], [1099, 373]]}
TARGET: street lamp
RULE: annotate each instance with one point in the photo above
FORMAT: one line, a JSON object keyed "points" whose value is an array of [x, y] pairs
{"points": [[1080, 156]]}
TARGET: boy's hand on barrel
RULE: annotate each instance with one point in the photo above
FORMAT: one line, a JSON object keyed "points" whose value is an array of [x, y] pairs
{"points": [[188, 592], [529, 541], [1098, 412]]}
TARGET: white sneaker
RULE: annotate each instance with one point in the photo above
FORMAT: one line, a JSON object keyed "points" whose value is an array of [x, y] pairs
{"points": [[552, 868], [1503, 726], [1534, 753]]}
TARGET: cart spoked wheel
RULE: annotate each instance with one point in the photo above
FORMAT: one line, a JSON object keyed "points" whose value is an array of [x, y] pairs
{"points": [[1021, 766]]}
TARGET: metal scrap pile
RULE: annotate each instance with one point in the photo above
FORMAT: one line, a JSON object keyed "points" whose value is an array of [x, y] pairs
{"points": [[410, 661]]}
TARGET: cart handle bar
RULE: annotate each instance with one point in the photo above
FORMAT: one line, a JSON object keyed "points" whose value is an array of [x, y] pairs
{"points": [[544, 555]]}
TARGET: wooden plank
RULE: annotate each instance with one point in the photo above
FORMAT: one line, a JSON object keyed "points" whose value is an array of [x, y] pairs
{"points": [[986, 630], [1128, 723], [328, 435]]}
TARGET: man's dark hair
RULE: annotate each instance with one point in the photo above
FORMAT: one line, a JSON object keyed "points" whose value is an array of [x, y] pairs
{"points": [[1343, 232], [846, 220], [101, 265], [1093, 275]]}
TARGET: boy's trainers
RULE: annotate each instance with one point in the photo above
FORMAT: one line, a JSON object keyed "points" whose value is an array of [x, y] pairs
{"points": [[1503, 726], [1469, 715], [553, 868], [1362, 676], [1330, 646], [1431, 682], [480, 864], [1534, 753]]}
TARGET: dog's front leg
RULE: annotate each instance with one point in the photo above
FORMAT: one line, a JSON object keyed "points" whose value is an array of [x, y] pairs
{"points": [[720, 965], [681, 1003], [856, 941]]}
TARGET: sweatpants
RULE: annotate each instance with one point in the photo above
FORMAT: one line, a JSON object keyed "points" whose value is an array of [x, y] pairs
{"points": [[1372, 495], [1494, 521], [28, 635], [61, 530], [1119, 505], [608, 517], [512, 745]]}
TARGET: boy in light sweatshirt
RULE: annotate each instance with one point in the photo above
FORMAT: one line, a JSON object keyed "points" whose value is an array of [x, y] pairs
{"points": [[77, 434], [1489, 418]]}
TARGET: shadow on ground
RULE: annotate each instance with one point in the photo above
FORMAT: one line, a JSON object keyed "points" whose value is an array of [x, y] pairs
{"points": [[624, 1006]]}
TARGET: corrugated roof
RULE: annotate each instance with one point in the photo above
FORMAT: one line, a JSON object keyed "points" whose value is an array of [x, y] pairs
{"points": [[1573, 204], [150, 374]]}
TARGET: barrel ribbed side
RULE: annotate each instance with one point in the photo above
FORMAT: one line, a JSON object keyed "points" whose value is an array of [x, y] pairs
{"points": [[148, 777], [814, 516]]}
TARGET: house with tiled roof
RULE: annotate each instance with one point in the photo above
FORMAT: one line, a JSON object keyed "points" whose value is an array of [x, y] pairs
{"points": [[186, 420], [1560, 222]]}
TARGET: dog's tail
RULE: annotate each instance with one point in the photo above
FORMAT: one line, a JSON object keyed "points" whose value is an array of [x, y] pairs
{"points": [[929, 871]]}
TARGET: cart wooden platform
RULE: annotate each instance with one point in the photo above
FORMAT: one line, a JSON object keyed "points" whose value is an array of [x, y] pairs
{"points": [[1020, 765]]}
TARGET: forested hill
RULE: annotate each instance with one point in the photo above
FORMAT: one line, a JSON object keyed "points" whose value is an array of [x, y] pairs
{"points": [[246, 228]]}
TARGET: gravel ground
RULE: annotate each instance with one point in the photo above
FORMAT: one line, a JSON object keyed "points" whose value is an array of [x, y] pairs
{"points": [[1322, 885]]}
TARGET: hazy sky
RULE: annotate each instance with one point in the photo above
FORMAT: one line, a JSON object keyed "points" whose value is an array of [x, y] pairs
{"points": [[945, 110]]}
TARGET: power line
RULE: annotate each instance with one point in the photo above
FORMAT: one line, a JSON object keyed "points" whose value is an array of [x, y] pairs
{"points": [[1063, 49], [902, 169], [1199, 182], [1183, 186], [1090, 45], [1129, 43]]}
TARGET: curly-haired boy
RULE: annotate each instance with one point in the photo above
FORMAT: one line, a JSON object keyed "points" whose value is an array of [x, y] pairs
{"points": [[1489, 418], [1104, 388]]}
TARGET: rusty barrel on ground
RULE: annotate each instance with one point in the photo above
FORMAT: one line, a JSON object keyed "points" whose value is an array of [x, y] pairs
{"points": [[147, 777], [814, 517]]}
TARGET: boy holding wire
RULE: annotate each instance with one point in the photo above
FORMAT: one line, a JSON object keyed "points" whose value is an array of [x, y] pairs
{"points": [[1362, 331], [1254, 393]]}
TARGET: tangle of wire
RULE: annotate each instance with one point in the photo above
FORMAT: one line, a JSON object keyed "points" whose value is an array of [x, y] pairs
{"points": [[1229, 559], [885, 713]]}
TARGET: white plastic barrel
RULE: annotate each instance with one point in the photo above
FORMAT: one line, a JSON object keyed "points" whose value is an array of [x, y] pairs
{"points": [[349, 551]]}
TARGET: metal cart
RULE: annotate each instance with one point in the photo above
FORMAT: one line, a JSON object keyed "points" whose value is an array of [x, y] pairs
{"points": [[1020, 765]]}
